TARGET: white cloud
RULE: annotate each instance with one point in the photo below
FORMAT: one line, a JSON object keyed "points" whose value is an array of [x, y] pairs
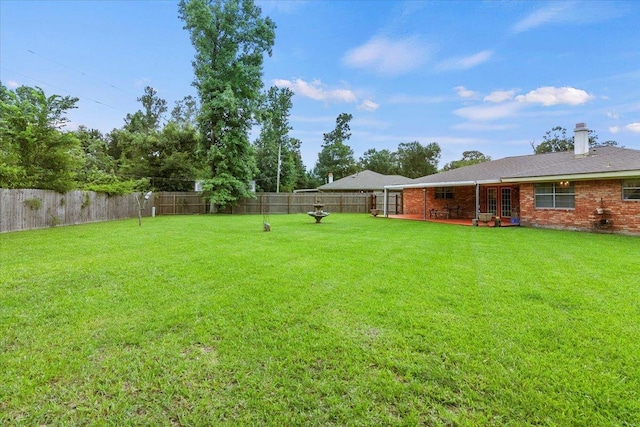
{"points": [[633, 127], [550, 95], [555, 12], [466, 62], [12, 84], [487, 113], [614, 129], [613, 115], [465, 93], [389, 57], [368, 105], [500, 96], [570, 12], [315, 90]]}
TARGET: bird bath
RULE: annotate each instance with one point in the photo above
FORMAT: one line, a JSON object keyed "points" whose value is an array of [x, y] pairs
{"points": [[318, 213]]}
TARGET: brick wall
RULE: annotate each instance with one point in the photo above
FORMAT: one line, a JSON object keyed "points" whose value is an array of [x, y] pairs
{"points": [[465, 197], [625, 214]]}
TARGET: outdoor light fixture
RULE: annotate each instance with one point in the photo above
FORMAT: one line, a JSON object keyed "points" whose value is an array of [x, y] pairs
{"points": [[564, 183], [146, 196]]}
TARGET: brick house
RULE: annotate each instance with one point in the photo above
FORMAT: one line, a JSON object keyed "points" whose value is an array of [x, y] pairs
{"points": [[587, 189]]}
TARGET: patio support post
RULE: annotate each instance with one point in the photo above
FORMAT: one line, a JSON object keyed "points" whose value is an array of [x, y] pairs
{"points": [[385, 203], [477, 201], [424, 203]]}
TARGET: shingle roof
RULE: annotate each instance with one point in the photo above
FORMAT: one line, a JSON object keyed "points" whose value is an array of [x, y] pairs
{"points": [[602, 160], [365, 181], [599, 160]]}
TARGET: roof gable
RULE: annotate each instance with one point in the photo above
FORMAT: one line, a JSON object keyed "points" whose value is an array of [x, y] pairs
{"points": [[365, 181]]}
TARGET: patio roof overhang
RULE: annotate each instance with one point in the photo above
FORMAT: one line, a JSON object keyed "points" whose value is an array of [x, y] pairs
{"points": [[441, 184]]}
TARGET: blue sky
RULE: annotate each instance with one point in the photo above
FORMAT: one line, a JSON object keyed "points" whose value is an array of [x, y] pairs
{"points": [[491, 76]]}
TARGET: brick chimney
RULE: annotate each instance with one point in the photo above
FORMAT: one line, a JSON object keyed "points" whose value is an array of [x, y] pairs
{"points": [[581, 140]]}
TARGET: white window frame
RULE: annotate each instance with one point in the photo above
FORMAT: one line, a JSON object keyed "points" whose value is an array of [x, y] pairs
{"points": [[558, 191], [631, 190]]}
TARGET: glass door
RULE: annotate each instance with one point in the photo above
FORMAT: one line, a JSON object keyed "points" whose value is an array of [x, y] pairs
{"points": [[505, 202], [499, 201], [492, 200]]}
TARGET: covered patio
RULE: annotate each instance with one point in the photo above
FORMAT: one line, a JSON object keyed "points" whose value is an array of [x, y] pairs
{"points": [[485, 203]]}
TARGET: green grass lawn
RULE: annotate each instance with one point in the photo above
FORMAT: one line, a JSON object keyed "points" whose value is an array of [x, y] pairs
{"points": [[207, 320]]}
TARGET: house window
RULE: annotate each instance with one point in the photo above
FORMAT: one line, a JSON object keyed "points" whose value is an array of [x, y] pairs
{"points": [[631, 189], [555, 195], [444, 192]]}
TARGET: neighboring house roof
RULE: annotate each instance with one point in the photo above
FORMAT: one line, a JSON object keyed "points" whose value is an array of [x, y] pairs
{"points": [[365, 181], [602, 162]]}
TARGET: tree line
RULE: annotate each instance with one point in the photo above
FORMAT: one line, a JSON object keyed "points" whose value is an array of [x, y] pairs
{"points": [[203, 138], [166, 151]]}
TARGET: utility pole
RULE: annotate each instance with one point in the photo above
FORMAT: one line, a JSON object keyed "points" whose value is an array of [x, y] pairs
{"points": [[279, 165]]}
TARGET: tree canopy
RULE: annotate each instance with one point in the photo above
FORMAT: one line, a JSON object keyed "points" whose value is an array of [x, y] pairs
{"points": [[35, 152], [383, 161], [468, 158], [336, 157], [417, 160], [556, 140]]}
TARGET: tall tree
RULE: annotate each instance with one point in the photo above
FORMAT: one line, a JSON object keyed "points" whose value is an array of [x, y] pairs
{"points": [[417, 160], [383, 161], [468, 158], [336, 157], [185, 112], [39, 154], [273, 148], [137, 144], [168, 155], [556, 140], [148, 119], [230, 38]]}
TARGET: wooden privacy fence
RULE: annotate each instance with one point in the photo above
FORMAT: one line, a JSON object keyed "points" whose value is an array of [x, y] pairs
{"points": [[176, 203], [180, 203], [30, 209]]}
